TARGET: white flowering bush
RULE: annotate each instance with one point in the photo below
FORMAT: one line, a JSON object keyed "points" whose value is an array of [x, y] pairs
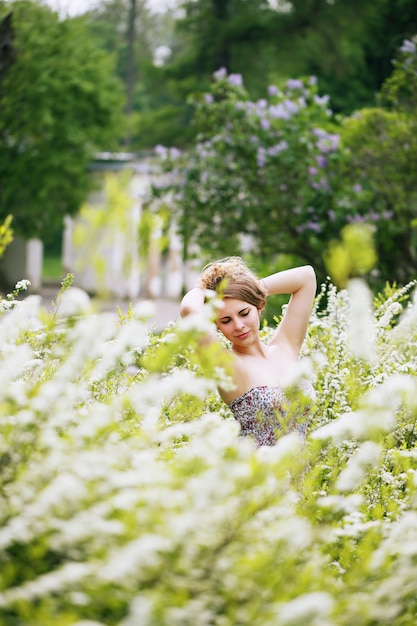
{"points": [[128, 498]]}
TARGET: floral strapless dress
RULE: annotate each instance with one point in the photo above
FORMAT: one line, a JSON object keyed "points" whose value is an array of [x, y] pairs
{"points": [[265, 412]]}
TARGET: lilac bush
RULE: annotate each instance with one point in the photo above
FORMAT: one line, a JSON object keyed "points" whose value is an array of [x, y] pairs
{"points": [[283, 175], [258, 178]]}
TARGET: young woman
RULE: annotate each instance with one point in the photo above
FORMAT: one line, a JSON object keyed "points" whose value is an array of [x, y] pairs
{"points": [[257, 400]]}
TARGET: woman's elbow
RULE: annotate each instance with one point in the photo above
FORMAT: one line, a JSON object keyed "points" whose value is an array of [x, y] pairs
{"points": [[310, 276], [311, 272], [185, 310]]}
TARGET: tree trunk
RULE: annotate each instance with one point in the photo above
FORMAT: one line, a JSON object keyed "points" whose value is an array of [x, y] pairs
{"points": [[221, 55], [130, 61]]}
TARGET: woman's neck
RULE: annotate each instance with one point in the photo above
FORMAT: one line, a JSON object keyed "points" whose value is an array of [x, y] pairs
{"points": [[256, 349]]}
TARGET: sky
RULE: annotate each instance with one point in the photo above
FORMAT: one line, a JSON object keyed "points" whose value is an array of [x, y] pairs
{"points": [[75, 7]]}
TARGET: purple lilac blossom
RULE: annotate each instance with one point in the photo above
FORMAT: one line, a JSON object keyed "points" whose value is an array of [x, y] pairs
{"points": [[279, 147], [357, 188], [332, 215], [408, 46], [355, 219], [328, 144], [204, 150], [236, 80], [291, 106], [220, 73], [262, 103], [324, 185], [316, 228], [321, 100], [313, 80], [312, 171], [161, 151], [295, 83], [319, 132], [278, 111], [265, 125], [208, 97], [158, 184], [387, 215], [260, 157], [174, 153], [321, 161], [335, 141], [273, 90]]}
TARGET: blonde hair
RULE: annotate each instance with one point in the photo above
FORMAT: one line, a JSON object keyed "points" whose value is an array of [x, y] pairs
{"points": [[232, 278]]}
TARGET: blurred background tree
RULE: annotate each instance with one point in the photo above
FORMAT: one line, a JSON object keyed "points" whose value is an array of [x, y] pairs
{"points": [[381, 157], [61, 94], [60, 102], [348, 46], [140, 40]]}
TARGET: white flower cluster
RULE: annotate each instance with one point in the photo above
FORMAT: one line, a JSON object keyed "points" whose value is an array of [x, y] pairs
{"points": [[128, 497]]}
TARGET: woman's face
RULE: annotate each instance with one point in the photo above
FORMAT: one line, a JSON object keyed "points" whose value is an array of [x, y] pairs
{"points": [[238, 321]]}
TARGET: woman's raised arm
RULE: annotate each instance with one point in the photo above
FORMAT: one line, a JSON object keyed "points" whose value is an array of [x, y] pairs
{"points": [[301, 283]]}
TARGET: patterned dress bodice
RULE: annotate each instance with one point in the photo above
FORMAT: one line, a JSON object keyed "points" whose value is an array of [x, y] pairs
{"points": [[262, 414]]}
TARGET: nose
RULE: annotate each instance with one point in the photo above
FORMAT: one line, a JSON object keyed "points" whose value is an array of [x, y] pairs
{"points": [[239, 324]]}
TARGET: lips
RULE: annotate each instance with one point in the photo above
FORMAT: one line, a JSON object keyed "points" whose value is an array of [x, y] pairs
{"points": [[243, 336]]}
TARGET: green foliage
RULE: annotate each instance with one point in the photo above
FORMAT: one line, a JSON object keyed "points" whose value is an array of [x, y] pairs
{"points": [[385, 193], [160, 113], [150, 232], [348, 46], [10, 301], [69, 105], [6, 234], [353, 256], [127, 496], [52, 266], [400, 89], [102, 228]]}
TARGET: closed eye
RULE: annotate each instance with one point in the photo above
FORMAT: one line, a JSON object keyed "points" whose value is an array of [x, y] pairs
{"points": [[242, 313]]}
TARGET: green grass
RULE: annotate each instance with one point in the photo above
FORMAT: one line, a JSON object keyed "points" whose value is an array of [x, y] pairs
{"points": [[52, 267]]}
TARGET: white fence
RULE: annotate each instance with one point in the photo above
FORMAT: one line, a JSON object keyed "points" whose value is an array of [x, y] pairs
{"points": [[107, 259]]}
